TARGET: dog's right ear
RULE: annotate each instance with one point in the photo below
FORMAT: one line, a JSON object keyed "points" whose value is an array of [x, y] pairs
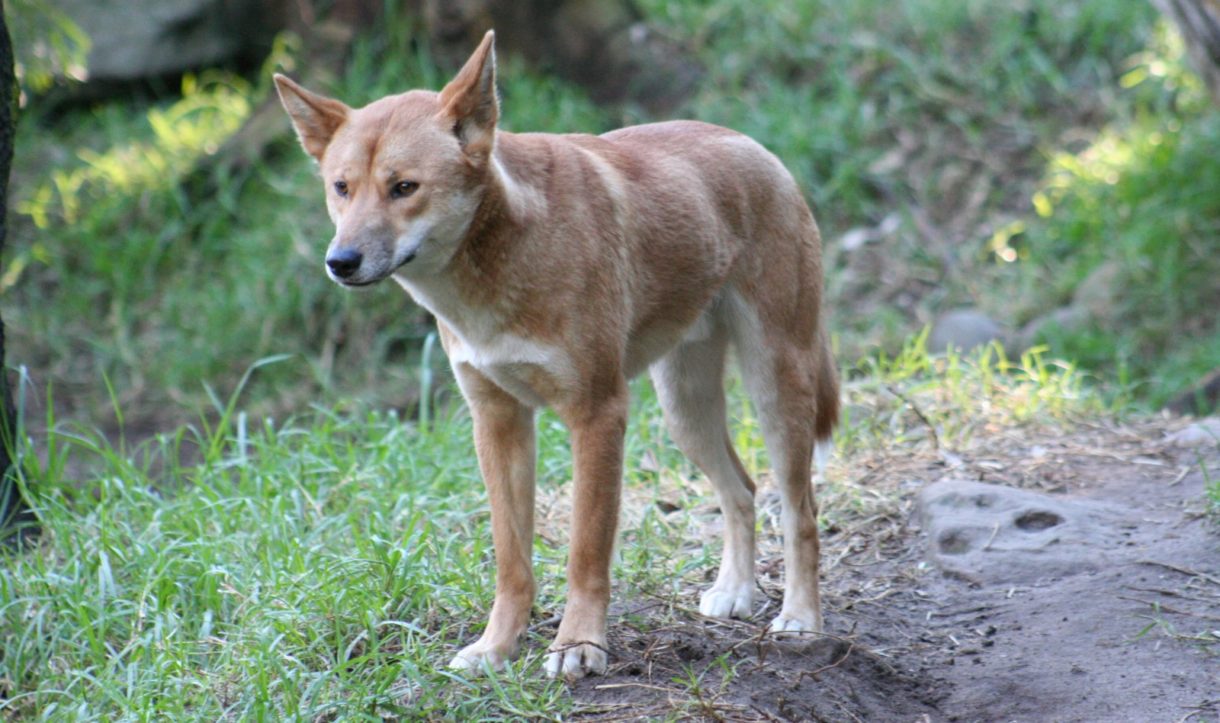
{"points": [[315, 117]]}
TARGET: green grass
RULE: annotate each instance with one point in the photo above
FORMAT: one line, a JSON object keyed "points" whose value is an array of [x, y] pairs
{"points": [[1213, 491], [328, 566], [325, 567], [831, 87]]}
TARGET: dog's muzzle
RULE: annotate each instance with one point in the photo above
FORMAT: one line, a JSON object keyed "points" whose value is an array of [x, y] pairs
{"points": [[344, 263]]}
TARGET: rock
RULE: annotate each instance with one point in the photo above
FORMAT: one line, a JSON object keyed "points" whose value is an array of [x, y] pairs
{"points": [[1096, 301], [963, 329], [1003, 535], [1203, 433], [141, 39], [1066, 319], [1202, 397]]}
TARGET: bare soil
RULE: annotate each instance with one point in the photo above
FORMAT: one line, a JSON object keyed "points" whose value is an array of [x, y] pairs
{"points": [[1093, 596]]}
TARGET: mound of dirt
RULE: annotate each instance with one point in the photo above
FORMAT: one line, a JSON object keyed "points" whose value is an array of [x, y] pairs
{"points": [[1069, 578]]}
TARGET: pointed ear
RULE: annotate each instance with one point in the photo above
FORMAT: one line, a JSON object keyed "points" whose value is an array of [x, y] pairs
{"points": [[469, 101], [315, 117]]}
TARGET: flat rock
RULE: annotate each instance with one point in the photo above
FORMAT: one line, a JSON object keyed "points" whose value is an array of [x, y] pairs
{"points": [[995, 534], [139, 39], [1203, 433]]}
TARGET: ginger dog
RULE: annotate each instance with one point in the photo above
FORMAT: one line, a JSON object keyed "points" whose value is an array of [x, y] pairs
{"points": [[560, 266]]}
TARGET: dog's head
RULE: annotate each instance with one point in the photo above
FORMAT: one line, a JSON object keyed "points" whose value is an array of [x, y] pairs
{"points": [[404, 175]]}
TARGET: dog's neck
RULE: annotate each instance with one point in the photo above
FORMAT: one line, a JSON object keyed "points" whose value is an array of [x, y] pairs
{"points": [[472, 284]]}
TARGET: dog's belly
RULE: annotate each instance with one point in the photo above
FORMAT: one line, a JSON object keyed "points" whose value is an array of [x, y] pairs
{"points": [[649, 345]]}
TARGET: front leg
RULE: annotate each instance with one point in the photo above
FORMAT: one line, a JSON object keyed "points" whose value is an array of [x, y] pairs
{"points": [[598, 426], [504, 442]]}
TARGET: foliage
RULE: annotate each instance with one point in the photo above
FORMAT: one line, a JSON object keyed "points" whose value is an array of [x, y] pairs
{"points": [[927, 124], [1139, 200], [51, 48], [831, 86]]}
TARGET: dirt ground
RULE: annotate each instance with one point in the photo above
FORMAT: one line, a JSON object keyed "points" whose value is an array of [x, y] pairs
{"points": [[1067, 578]]}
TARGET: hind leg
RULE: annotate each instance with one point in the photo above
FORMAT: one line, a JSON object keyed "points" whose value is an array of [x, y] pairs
{"points": [[781, 376], [690, 383]]}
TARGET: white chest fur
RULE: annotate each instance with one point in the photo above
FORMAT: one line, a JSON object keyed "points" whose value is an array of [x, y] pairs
{"points": [[532, 371]]}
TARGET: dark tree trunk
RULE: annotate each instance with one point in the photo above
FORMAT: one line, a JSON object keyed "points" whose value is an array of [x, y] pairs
{"points": [[14, 513], [1199, 23]]}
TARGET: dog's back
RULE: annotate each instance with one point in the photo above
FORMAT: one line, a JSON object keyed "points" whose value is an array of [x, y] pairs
{"points": [[661, 221]]}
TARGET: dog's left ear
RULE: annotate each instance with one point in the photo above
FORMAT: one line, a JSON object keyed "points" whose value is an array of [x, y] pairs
{"points": [[469, 101]]}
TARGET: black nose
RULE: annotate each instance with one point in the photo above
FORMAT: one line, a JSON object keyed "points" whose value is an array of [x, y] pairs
{"points": [[344, 262]]}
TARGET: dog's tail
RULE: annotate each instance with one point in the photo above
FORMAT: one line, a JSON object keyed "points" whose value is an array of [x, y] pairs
{"points": [[826, 394], [827, 391]]}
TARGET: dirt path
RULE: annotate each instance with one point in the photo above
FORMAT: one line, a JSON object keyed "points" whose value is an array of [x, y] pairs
{"points": [[1085, 588]]}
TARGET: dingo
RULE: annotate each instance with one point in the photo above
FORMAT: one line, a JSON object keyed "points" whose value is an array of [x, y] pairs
{"points": [[558, 267]]}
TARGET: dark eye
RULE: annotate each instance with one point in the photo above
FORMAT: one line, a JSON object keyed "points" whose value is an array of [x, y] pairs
{"points": [[402, 189], [341, 188]]}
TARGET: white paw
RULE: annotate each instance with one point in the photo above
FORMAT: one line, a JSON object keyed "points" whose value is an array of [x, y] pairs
{"points": [[576, 660], [726, 602], [791, 625], [479, 656]]}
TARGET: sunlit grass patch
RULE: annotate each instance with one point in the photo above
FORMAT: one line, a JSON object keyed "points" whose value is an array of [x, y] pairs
{"points": [[950, 398], [212, 107]]}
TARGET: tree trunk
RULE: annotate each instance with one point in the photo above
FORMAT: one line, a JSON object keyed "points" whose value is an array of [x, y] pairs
{"points": [[1199, 23], [15, 514]]}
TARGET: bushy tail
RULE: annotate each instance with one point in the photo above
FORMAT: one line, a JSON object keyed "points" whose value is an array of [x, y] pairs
{"points": [[827, 391], [827, 394]]}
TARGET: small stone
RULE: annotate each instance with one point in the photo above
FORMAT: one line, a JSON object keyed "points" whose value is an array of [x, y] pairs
{"points": [[1203, 433], [1066, 319], [963, 329]]}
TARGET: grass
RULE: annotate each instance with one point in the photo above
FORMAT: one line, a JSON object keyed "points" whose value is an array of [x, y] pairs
{"points": [[1211, 487], [323, 567], [328, 566]]}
